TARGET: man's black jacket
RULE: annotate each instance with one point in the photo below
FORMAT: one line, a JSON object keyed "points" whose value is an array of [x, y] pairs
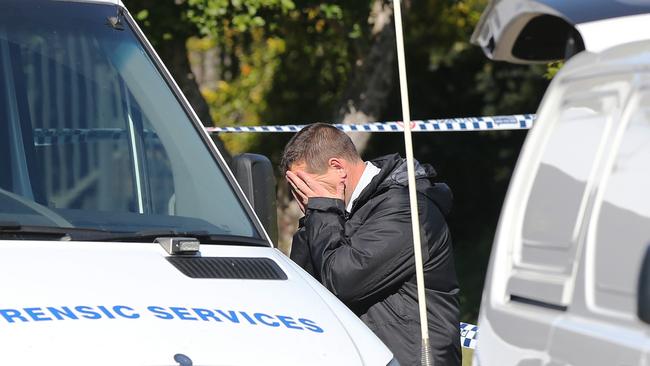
{"points": [[366, 259]]}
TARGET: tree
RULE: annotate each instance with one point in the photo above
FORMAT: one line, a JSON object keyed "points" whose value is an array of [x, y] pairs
{"points": [[169, 25], [372, 75]]}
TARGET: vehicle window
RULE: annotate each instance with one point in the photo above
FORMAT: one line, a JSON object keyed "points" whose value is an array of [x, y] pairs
{"points": [[92, 136], [554, 204], [623, 225]]}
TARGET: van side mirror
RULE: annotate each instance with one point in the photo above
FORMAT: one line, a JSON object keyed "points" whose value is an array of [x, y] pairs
{"points": [[254, 173], [643, 293]]}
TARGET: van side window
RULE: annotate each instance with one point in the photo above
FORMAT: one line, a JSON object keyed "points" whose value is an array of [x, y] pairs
{"points": [[558, 192], [623, 223]]}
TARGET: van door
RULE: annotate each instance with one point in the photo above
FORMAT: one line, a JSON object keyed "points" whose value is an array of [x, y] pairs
{"points": [[538, 245], [545, 259], [602, 319]]}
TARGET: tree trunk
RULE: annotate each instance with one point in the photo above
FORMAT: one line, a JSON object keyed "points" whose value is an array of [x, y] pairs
{"points": [[373, 76]]}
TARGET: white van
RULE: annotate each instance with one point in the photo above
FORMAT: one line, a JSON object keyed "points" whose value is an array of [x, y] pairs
{"points": [[567, 282], [124, 237]]}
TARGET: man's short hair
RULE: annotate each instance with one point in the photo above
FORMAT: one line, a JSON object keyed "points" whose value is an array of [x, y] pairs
{"points": [[315, 145]]}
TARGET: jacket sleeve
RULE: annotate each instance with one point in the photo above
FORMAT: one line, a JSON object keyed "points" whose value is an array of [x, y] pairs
{"points": [[300, 251], [378, 256]]}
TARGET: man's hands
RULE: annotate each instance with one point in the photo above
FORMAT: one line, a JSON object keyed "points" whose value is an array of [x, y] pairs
{"points": [[304, 187]]}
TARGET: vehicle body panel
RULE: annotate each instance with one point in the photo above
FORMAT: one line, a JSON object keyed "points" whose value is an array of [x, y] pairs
{"points": [[258, 320], [507, 31], [571, 300]]}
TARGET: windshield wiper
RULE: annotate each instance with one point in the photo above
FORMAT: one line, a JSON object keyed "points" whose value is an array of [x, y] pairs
{"points": [[203, 236], [16, 230]]}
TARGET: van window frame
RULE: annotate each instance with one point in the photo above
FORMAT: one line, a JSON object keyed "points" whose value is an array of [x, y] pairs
{"points": [[196, 123]]}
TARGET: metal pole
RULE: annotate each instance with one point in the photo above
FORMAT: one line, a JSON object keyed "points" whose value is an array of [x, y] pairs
{"points": [[427, 359]]}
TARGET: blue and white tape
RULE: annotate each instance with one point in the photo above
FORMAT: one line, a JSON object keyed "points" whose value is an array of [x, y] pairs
{"points": [[53, 136], [511, 122], [468, 335]]}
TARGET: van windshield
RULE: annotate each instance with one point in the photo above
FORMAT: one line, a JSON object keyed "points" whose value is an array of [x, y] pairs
{"points": [[91, 134]]}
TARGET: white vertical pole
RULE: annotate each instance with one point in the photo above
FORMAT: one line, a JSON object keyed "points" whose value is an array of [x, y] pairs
{"points": [[415, 220]]}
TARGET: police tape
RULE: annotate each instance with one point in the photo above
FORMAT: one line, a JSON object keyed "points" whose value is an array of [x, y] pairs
{"points": [[491, 123], [54, 136], [468, 335]]}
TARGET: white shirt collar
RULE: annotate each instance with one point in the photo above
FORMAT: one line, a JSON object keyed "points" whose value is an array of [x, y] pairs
{"points": [[369, 172]]}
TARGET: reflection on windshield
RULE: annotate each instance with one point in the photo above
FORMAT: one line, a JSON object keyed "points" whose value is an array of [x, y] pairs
{"points": [[90, 134]]}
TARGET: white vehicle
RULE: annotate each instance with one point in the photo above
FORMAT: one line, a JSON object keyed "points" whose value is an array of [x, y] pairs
{"points": [[125, 238], [567, 282], [529, 31]]}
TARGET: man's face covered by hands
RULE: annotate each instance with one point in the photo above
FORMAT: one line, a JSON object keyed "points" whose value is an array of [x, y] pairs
{"points": [[305, 183]]}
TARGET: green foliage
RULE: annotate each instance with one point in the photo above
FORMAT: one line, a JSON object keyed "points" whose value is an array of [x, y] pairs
{"points": [[216, 19], [242, 100], [467, 356], [553, 68], [321, 53], [455, 21], [161, 20], [293, 69], [220, 18], [274, 48], [323, 45]]}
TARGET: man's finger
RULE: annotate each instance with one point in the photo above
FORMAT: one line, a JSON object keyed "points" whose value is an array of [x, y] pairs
{"points": [[292, 179], [299, 196], [317, 187], [311, 183], [297, 193], [300, 185], [301, 206]]}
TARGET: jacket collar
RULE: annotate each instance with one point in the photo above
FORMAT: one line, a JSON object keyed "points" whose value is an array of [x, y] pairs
{"points": [[393, 172]]}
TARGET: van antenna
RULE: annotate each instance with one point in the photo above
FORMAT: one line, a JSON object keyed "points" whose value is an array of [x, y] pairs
{"points": [[426, 356]]}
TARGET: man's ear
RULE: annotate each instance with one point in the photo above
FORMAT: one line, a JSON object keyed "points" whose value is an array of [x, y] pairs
{"points": [[339, 165]]}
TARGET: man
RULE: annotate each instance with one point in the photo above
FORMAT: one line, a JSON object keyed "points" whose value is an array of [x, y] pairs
{"points": [[356, 239]]}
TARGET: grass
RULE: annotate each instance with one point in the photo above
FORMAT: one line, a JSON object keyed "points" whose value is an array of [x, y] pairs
{"points": [[467, 356]]}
